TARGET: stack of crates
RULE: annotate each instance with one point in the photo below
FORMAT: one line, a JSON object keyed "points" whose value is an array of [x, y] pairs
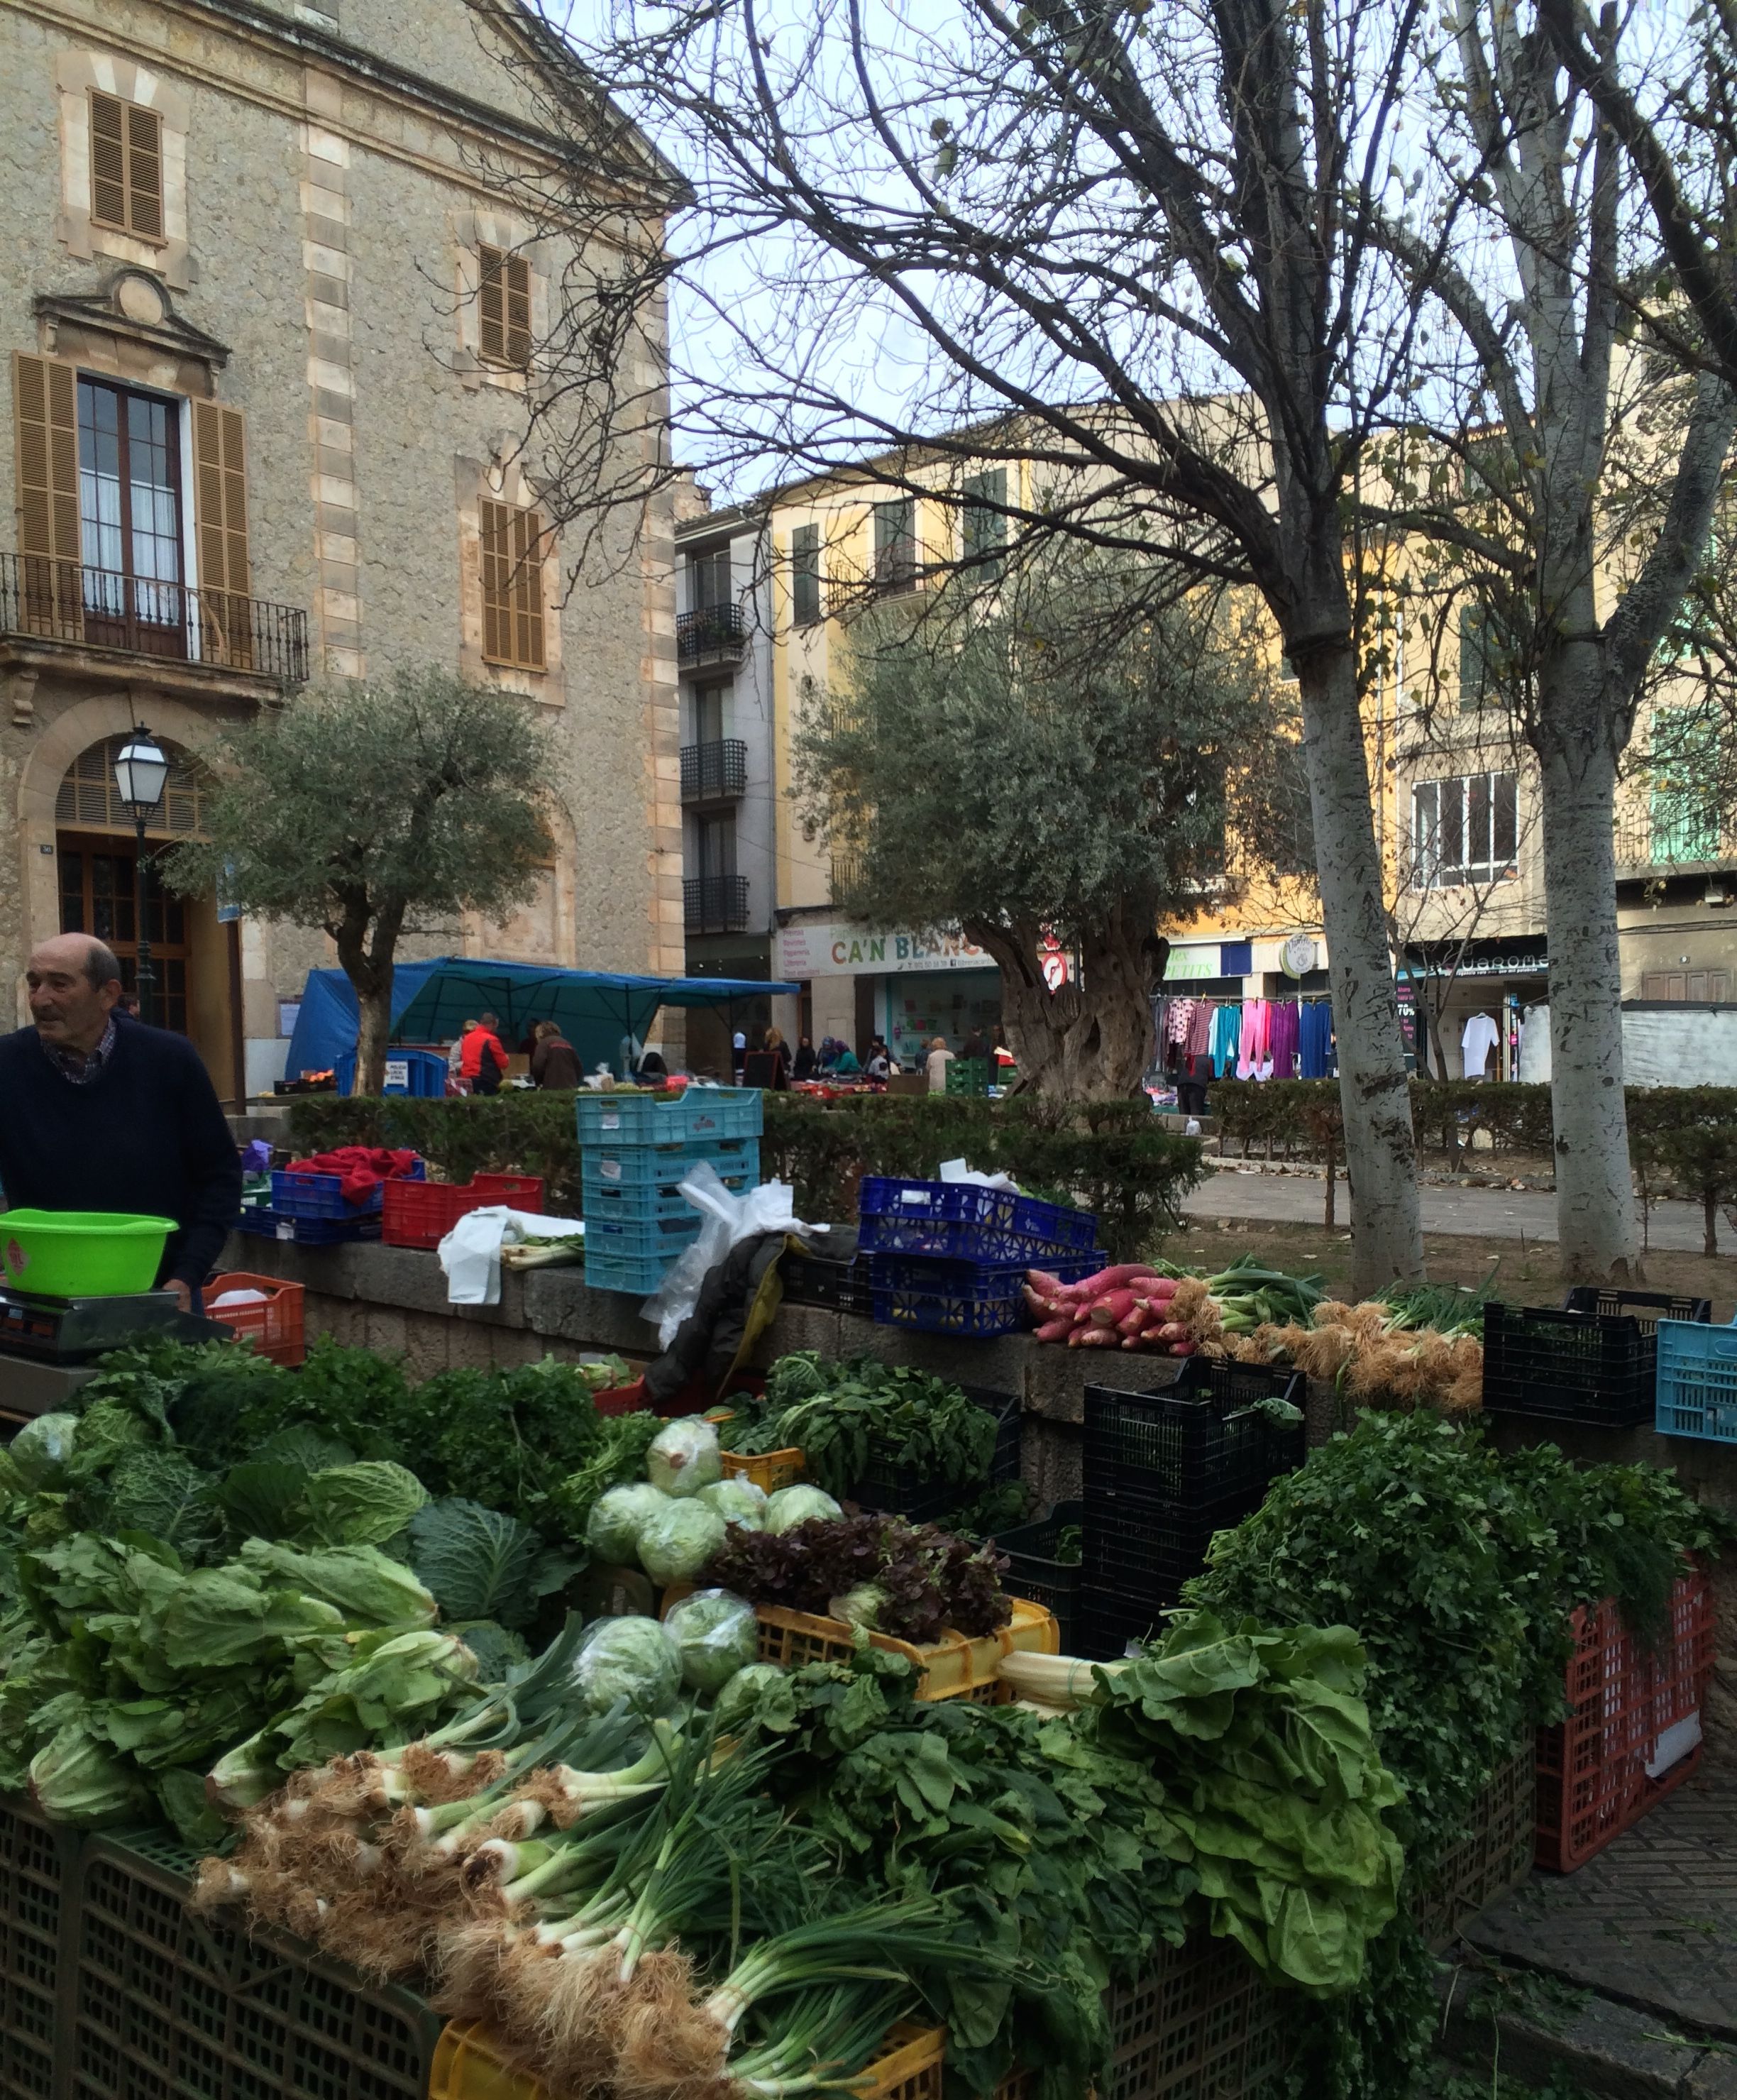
{"points": [[635, 1152], [950, 1257], [1161, 1472]]}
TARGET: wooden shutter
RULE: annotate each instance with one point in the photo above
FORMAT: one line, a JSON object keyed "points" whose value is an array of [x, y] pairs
{"points": [[45, 404], [220, 522], [126, 166], [503, 308], [512, 586]]}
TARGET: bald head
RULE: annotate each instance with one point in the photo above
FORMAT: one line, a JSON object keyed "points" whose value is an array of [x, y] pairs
{"points": [[74, 983]]}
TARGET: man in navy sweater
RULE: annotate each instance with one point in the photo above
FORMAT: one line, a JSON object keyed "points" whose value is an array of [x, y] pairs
{"points": [[100, 1113]]}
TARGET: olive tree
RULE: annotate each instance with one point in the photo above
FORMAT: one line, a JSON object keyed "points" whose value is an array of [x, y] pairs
{"points": [[370, 809], [1042, 764]]}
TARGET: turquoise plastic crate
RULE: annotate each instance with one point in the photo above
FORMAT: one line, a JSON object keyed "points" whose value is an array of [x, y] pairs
{"points": [[706, 1113], [1697, 1389], [641, 1239], [663, 1166], [640, 1273], [604, 1200]]}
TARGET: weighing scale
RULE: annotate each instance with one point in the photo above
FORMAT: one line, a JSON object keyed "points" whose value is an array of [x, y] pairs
{"points": [[48, 1346]]}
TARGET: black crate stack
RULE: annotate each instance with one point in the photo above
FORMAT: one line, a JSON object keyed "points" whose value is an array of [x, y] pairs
{"points": [[1161, 1472]]}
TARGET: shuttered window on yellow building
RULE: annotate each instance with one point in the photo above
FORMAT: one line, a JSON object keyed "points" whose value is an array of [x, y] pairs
{"points": [[220, 523], [126, 166], [45, 409], [512, 586], [505, 309]]}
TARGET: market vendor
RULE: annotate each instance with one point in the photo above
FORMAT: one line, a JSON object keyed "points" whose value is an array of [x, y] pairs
{"points": [[100, 1113]]}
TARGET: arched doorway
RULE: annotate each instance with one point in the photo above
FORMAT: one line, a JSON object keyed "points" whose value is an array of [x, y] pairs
{"points": [[96, 844]]}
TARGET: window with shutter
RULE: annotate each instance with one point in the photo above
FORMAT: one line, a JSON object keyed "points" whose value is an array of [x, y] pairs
{"points": [[512, 586], [45, 404], [220, 519], [126, 166], [504, 304]]}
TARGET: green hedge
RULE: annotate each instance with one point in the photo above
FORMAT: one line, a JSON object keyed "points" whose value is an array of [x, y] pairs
{"points": [[1108, 1156]]}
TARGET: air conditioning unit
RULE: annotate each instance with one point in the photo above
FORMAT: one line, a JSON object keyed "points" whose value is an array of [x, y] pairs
{"points": [[1719, 893]]}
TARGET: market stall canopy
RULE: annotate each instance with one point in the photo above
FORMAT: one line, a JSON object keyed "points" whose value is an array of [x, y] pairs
{"points": [[431, 1001]]}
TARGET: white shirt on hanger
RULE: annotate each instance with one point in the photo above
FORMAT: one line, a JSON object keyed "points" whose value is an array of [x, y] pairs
{"points": [[1480, 1038]]}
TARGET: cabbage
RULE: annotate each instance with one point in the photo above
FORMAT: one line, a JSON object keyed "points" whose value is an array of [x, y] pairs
{"points": [[364, 1504], [612, 1530], [738, 1502], [40, 1449], [683, 1458], [793, 1506], [717, 1634], [862, 1606], [678, 1542], [746, 1695], [627, 1658]]}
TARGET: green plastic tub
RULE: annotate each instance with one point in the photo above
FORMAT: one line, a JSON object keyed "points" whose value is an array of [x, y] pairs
{"points": [[81, 1254]]}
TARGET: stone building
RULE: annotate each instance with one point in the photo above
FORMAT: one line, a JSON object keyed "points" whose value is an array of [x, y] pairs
{"points": [[272, 315]]}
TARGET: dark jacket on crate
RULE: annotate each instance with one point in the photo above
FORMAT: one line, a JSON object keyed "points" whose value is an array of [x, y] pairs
{"points": [[146, 1135]]}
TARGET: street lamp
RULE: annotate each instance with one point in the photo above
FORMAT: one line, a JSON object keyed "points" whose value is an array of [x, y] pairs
{"points": [[141, 773]]}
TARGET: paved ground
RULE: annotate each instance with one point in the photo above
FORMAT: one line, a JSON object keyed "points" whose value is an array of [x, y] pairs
{"points": [[1651, 1922], [1501, 1213]]}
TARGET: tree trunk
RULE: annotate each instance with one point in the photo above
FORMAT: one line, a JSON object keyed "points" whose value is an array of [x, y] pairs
{"points": [[371, 979], [1596, 1224], [1710, 1240], [1088, 1041], [1381, 1158]]}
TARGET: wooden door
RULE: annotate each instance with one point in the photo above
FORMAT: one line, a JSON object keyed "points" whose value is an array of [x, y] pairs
{"points": [[97, 896]]}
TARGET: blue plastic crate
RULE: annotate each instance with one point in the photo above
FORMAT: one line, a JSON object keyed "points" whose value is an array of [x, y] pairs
{"points": [[663, 1166], [1697, 1389], [419, 1073], [964, 1204], [605, 1200], [954, 1240], [308, 1232], [706, 1113], [322, 1195], [976, 1280], [641, 1274]]}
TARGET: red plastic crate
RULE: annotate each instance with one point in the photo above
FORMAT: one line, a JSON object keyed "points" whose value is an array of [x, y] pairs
{"points": [[1633, 1731], [421, 1214], [277, 1329]]}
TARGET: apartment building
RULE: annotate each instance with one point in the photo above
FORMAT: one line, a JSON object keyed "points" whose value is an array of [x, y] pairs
{"points": [[273, 315], [1456, 806]]}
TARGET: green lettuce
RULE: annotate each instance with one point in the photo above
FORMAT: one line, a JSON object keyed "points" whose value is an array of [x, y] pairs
{"points": [[366, 1585], [364, 1504]]}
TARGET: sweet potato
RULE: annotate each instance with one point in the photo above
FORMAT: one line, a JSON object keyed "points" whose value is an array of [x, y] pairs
{"points": [[1113, 1306], [1055, 1331], [1110, 1279], [1095, 1337]]}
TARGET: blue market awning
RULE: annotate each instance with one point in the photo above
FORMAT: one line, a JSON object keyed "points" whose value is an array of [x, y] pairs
{"points": [[431, 1001]]}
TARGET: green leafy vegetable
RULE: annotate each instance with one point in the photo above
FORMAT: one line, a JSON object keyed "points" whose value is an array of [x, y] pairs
{"points": [[479, 1565], [364, 1504]]}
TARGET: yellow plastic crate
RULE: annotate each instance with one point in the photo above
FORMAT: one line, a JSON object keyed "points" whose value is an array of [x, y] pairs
{"points": [[953, 1667], [769, 1471], [469, 2065]]}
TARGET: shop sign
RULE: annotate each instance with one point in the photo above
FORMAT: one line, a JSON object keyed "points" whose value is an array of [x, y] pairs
{"points": [[1185, 962], [1499, 960], [838, 948]]}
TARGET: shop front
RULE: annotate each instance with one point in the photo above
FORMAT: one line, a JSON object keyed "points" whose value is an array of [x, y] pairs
{"points": [[860, 981], [1474, 999]]}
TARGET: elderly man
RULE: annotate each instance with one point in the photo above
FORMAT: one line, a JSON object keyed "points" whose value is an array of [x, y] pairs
{"points": [[100, 1113]]}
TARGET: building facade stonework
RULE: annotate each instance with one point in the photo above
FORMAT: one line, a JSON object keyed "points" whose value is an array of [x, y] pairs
{"points": [[264, 433]]}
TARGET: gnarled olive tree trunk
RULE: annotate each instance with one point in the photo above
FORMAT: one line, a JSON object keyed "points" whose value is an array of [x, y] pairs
{"points": [[1091, 1040]]}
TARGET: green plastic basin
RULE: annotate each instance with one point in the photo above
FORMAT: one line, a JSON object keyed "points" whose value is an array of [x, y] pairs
{"points": [[81, 1254]]}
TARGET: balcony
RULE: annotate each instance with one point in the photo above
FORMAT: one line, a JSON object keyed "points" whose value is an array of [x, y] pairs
{"points": [[52, 610], [713, 634], [845, 875], [714, 904], [715, 772]]}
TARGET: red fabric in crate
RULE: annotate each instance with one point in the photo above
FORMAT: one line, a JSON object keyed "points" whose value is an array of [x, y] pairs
{"points": [[1593, 1780], [361, 1168]]}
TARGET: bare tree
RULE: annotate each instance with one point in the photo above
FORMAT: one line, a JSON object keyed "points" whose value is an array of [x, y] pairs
{"points": [[1551, 433], [1126, 257]]}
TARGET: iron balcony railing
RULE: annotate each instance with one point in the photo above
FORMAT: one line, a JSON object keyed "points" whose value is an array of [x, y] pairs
{"points": [[711, 634], [714, 772], [58, 601], [714, 903]]}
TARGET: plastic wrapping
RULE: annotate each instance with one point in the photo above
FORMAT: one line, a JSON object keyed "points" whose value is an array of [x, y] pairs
{"points": [[627, 1658], [683, 1458], [737, 1500], [717, 1634], [677, 1541], [743, 1696], [790, 1506], [728, 1219], [42, 1448]]}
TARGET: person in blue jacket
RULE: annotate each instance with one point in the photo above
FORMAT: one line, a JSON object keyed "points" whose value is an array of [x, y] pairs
{"points": [[100, 1113]]}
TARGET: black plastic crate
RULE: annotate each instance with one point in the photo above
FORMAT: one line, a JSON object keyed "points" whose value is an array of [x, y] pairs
{"points": [[1034, 1572], [1573, 1364], [1647, 1307], [38, 1862], [164, 2004], [840, 1286], [903, 1491], [1138, 1554], [1197, 1442]]}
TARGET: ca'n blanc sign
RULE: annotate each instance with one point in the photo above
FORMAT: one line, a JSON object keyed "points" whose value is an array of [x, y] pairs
{"points": [[837, 947]]}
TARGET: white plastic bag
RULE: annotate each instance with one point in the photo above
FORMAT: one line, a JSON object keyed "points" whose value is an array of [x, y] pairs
{"points": [[471, 1253], [766, 1209]]}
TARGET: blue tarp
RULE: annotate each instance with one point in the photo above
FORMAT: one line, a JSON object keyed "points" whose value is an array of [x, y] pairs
{"points": [[432, 1000]]}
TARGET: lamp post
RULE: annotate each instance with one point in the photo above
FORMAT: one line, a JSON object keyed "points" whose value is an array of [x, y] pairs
{"points": [[141, 773]]}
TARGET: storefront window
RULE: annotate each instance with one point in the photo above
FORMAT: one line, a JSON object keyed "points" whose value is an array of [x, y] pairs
{"points": [[956, 1003]]}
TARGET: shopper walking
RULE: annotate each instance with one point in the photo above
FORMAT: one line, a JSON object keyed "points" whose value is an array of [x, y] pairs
{"points": [[555, 1063], [940, 1056]]}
